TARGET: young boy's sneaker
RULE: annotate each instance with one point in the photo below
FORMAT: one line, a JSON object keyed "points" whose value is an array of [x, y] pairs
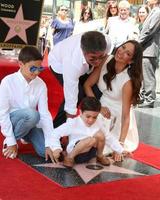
{"points": [[68, 162], [103, 160]]}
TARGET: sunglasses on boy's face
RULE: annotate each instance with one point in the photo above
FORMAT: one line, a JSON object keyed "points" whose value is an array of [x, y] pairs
{"points": [[34, 69]]}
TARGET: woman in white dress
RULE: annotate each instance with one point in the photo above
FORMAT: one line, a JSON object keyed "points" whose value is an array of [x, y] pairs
{"points": [[119, 80]]}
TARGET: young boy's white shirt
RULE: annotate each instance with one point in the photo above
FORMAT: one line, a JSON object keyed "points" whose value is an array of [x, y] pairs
{"points": [[77, 130], [15, 94]]}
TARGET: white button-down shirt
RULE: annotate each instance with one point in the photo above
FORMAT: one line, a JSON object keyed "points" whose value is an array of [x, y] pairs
{"points": [[120, 30], [67, 58], [77, 130], [16, 93]]}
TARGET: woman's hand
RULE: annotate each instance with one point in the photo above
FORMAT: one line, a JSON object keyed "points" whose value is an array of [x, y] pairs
{"points": [[118, 157], [127, 154], [105, 112]]}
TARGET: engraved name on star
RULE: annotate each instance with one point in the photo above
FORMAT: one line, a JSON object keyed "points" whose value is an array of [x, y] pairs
{"points": [[17, 25]]}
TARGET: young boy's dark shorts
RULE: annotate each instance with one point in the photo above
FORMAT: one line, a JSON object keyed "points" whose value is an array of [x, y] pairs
{"points": [[85, 157]]}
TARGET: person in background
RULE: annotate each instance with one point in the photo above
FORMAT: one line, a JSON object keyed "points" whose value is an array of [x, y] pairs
{"points": [[110, 2], [87, 138], [24, 108], [112, 10], [119, 80], [71, 61], [150, 40], [108, 12], [121, 28], [42, 38], [83, 25], [86, 15], [142, 13], [62, 26]]}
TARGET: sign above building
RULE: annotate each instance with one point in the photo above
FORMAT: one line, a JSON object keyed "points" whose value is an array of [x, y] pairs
{"points": [[19, 22]]}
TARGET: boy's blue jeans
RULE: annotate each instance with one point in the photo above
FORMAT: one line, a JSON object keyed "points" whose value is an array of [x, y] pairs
{"points": [[24, 123]]}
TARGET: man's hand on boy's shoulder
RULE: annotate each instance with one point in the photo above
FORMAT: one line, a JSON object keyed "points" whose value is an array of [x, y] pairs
{"points": [[105, 112], [10, 151]]}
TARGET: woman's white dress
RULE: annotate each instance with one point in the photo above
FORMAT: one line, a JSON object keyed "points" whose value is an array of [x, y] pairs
{"points": [[113, 100]]}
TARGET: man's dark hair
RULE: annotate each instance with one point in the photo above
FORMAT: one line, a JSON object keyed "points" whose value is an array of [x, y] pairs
{"points": [[28, 54], [90, 104], [93, 41]]}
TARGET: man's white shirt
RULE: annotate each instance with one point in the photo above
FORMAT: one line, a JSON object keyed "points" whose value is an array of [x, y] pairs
{"points": [[120, 30], [67, 58]]}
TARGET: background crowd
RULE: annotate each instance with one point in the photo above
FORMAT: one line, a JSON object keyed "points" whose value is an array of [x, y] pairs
{"points": [[120, 23]]}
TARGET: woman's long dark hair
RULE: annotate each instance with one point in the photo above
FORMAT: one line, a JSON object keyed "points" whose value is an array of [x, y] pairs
{"points": [[82, 14], [108, 12], [134, 71]]}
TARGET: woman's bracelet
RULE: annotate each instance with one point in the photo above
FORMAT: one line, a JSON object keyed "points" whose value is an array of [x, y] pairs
{"points": [[122, 143]]}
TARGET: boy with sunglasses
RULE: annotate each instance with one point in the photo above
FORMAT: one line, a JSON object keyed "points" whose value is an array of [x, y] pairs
{"points": [[24, 108]]}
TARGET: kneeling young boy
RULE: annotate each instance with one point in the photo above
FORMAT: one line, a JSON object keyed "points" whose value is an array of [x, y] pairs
{"points": [[23, 103], [86, 138]]}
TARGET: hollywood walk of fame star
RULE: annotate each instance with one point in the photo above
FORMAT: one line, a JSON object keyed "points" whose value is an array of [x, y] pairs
{"points": [[88, 174], [17, 25]]}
